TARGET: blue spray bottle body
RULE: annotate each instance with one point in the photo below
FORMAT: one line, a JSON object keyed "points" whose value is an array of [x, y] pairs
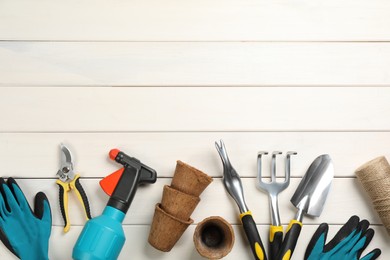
{"points": [[103, 237]]}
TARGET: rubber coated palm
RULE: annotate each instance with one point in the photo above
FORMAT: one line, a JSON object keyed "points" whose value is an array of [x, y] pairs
{"points": [[348, 243], [24, 232]]}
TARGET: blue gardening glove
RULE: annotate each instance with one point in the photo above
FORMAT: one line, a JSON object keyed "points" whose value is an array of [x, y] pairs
{"points": [[24, 232], [347, 244]]}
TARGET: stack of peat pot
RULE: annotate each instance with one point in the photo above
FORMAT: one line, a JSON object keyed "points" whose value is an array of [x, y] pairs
{"points": [[173, 215]]}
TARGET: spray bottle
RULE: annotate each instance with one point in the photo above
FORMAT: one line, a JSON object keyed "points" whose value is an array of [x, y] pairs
{"points": [[103, 236]]}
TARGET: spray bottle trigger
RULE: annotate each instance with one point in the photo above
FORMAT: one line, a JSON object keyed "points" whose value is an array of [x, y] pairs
{"points": [[108, 184]]}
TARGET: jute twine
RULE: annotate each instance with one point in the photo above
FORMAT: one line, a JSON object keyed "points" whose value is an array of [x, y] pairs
{"points": [[375, 179]]}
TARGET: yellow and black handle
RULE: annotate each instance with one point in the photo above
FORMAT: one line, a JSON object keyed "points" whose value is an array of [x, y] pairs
{"points": [[275, 241], [64, 188], [253, 236], [81, 195], [290, 240]]}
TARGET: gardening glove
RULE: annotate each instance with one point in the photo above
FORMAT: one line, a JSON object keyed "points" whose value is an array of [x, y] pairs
{"points": [[347, 244], [23, 231]]}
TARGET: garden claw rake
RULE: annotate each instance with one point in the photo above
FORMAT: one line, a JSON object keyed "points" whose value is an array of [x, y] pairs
{"points": [[273, 188]]}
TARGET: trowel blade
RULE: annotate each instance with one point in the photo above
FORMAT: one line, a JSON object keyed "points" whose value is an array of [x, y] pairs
{"points": [[312, 191]]}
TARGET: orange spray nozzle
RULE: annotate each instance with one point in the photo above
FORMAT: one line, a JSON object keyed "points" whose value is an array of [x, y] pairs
{"points": [[113, 154]]}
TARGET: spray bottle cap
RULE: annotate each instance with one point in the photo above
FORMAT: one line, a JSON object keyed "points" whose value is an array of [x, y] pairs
{"points": [[122, 184]]}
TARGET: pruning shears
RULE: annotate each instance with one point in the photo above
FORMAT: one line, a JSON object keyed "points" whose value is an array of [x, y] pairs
{"points": [[67, 181]]}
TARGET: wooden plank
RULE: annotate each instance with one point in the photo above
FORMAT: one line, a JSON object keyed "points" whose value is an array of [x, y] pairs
{"points": [[217, 20], [214, 201], [22, 152], [184, 109], [137, 247], [194, 64]]}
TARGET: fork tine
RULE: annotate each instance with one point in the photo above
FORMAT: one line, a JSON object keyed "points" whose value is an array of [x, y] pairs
{"points": [[273, 165], [260, 182], [288, 166]]}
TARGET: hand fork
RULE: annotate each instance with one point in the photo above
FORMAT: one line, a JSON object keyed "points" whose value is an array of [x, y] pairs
{"points": [[273, 188]]}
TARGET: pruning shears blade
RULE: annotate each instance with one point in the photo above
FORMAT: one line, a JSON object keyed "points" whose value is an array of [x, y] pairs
{"points": [[65, 172], [66, 155]]}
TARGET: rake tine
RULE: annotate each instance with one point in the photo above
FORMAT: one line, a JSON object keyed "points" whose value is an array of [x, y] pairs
{"points": [[259, 165], [273, 165], [288, 166]]}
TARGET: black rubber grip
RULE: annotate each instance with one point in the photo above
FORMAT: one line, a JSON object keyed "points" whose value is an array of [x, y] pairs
{"points": [[289, 242], [62, 206], [253, 237], [274, 246], [84, 198]]}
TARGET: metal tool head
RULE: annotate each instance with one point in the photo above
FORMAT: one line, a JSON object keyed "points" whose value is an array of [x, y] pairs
{"points": [[312, 191], [288, 164], [231, 179], [273, 187], [260, 183], [65, 172]]}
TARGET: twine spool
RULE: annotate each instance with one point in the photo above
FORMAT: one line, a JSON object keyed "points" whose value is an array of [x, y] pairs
{"points": [[375, 179]]}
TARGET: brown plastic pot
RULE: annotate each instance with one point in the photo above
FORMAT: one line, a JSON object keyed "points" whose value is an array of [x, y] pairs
{"points": [[166, 229], [177, 203], [189, 179], [214, 238]]}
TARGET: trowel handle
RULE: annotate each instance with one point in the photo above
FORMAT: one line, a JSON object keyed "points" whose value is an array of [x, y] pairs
{"points": [[253, 236], [290, 240]]}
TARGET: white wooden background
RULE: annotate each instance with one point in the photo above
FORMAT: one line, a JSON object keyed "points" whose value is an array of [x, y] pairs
{"points": [[163, 80]]}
